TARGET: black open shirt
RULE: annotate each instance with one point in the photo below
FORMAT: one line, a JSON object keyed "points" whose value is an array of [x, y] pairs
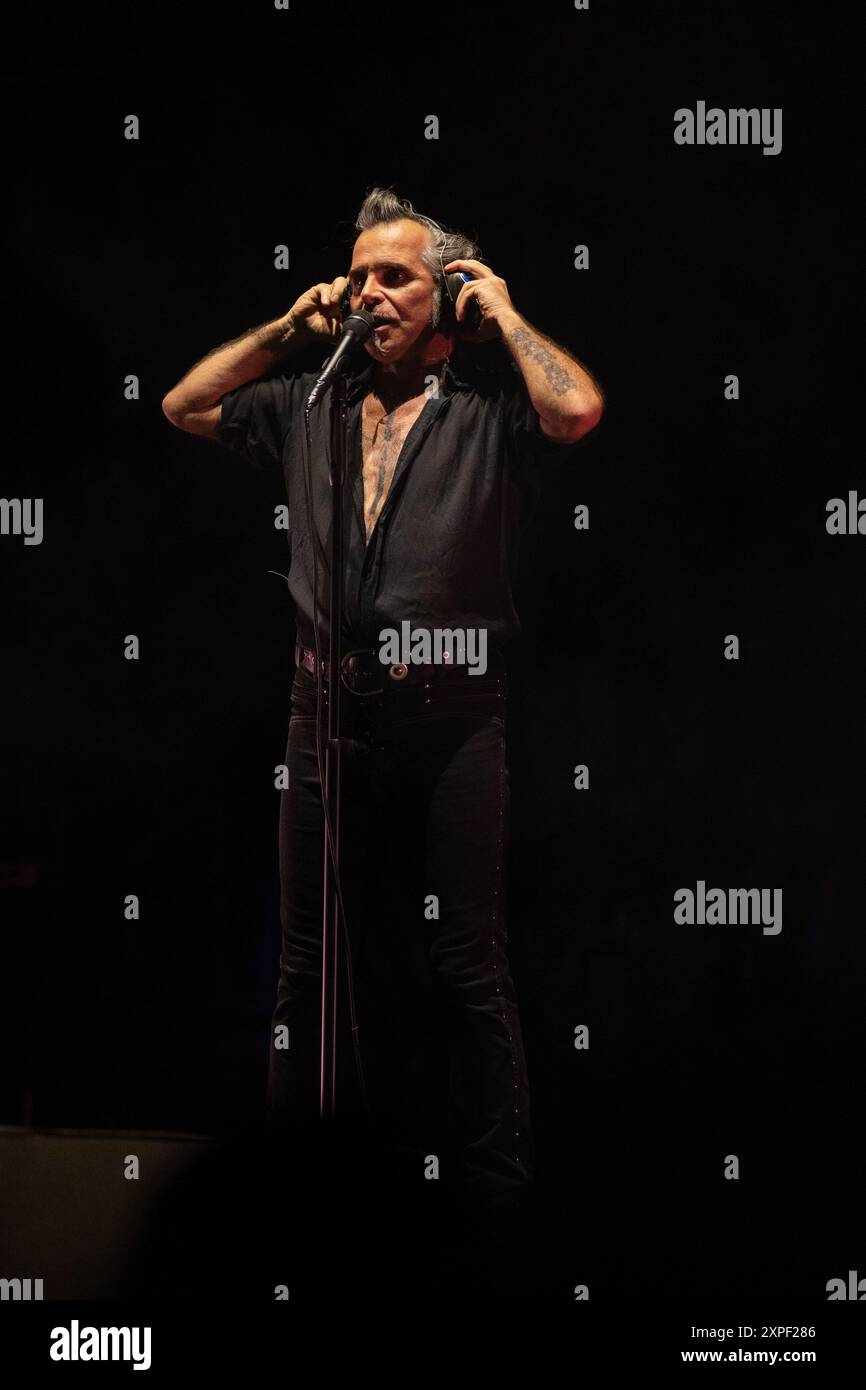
{"points": [[444, 550]]}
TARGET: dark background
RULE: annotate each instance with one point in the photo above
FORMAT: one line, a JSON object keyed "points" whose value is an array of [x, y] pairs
{"points": [[707, 517]]}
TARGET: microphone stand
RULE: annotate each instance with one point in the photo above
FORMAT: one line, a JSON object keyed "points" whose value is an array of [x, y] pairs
{"points": [[357, 329], [330, 901]]}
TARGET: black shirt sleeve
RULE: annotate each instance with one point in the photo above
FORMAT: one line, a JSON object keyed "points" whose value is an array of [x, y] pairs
{"points": [[255, 420]]}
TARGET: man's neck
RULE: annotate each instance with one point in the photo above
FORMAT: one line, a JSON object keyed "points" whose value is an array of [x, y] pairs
{"points": [[404, 380]]}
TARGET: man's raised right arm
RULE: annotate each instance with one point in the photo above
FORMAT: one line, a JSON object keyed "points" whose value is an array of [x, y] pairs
{"points": [[195, 403]]}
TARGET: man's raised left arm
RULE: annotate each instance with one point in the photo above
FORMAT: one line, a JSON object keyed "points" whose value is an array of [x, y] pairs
{"points": [[568, 401]]}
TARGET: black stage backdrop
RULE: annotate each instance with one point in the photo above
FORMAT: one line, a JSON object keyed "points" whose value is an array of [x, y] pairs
{"points": [[261, 127]]}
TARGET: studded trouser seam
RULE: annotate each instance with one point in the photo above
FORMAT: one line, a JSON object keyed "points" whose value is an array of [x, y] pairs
{"points": [[495, 917]]}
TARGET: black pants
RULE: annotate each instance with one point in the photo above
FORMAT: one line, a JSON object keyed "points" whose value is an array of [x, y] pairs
{"points": [[423, 829]]}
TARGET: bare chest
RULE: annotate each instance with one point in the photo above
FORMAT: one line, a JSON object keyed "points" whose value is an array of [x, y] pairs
{"points": [[382, 437]]}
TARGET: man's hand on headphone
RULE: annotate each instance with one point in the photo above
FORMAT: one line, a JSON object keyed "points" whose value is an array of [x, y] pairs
{"points": [[490, 293], [318, 312]]}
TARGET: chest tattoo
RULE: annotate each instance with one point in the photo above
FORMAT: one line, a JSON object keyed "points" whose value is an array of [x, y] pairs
{"points": [[382, 439]]}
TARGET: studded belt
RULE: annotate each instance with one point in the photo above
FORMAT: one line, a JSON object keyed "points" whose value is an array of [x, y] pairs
{"points": [[363, 673]]}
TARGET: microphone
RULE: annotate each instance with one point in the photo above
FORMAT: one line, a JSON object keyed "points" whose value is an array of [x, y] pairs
{"points": [[357, 328]]}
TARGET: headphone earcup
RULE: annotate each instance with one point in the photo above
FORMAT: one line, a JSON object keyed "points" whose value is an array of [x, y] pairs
{"points": [[454, 282]]}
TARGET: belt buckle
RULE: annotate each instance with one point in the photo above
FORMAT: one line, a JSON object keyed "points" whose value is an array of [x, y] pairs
{"points": [[364, 675]]}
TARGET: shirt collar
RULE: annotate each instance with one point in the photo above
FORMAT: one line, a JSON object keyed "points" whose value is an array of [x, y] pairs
{"points": [[358, 382]]}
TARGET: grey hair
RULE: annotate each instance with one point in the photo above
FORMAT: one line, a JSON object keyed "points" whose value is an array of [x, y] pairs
{"points": [[445, 245]]}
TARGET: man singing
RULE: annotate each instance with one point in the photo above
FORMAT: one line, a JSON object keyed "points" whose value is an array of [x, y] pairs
{"points": [[443, 458]]}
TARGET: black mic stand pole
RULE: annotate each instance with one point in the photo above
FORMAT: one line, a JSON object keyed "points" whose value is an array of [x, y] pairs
{"points": [[357, 329], [330, 901]]}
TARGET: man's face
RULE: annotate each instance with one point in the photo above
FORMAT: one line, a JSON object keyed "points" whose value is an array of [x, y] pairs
{"points": [[388, 278]]}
